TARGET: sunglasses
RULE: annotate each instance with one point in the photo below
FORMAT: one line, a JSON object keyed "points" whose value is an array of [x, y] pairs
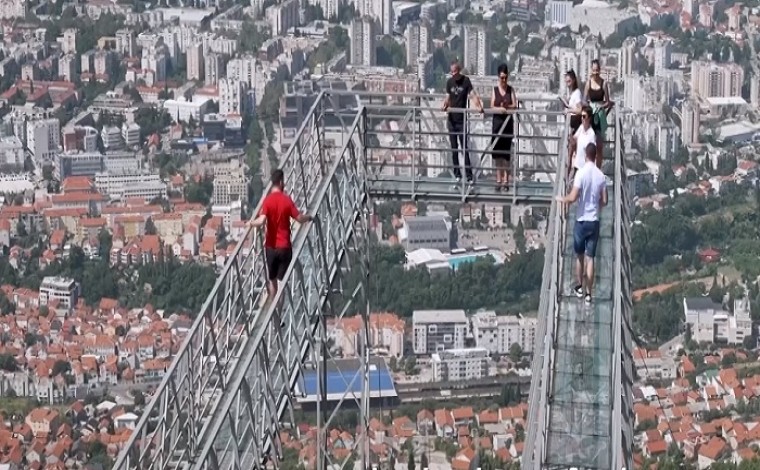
{"points": [[503, 77]]}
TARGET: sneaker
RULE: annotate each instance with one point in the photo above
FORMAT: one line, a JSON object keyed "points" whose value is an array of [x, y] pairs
{"points": [[588, 299], [470, 179], [457, 182], [578, 291]]}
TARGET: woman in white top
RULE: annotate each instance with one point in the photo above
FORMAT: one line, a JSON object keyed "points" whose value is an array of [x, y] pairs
{"points": [[583, 136], [574, 101]]}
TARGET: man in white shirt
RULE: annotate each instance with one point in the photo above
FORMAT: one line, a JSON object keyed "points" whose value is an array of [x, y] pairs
{"points": [[583, 136], [590, 190]]}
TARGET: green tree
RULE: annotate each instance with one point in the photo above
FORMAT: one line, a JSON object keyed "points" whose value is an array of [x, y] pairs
{"points": [[60, 367], [6, 306], [150, 227], [515, 352], [390, 53], [8, 363], [519, 235]]}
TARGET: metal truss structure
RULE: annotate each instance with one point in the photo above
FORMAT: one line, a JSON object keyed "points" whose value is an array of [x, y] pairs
{"points": [[234, 387]]}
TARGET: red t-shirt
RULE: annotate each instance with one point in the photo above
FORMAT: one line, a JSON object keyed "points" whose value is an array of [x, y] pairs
{"points": [[278, 209]]}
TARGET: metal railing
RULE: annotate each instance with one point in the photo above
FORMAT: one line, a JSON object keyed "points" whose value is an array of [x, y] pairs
{"points": [[539, 405], [409, 153]]}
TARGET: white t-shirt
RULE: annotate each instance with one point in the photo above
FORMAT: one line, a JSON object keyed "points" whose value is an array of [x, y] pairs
{"points": [[590, 181], [583, 137], [575, 100]]}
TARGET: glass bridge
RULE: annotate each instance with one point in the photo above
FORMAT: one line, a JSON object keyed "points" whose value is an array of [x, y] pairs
{"points": [[233, 387]]}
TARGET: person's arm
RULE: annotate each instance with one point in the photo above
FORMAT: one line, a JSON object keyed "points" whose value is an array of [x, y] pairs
{"points": [[577, 107], [298, 216], [445, 102], [474, 97], [608, 103], [514, 103], [258, 221], [586, 88], [574, 193], [604, 199]]}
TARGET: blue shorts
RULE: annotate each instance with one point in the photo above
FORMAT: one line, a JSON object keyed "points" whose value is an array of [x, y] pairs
{"points": [[585, 237]]}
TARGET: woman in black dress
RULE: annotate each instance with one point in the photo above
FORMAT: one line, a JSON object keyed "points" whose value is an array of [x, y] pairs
{"points": [[502, 99]]}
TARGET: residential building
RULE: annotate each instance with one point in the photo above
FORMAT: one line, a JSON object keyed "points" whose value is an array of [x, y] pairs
{"points": [[498, 333], [713, 80], [418, 42], [477, 50], [11, 151], [230, 97], [460, 364], [653, 365], [43, 138], [710, 323], [195, 62], [230, 183], [386, 332], [43, 421], [690, 120], [438, 330], [363, 42], [63, 290]]}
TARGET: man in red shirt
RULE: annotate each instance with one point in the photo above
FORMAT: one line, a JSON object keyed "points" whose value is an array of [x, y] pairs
{"points": [[276, 211]]}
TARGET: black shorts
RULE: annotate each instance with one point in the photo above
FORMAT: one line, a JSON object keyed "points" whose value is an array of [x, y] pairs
{"points": [[278, 260]]}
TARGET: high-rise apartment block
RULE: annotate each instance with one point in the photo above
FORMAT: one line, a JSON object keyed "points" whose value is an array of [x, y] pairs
{"points": [[662, 51], [363, 42], [231, 97], [283, 17], [438, 330], [213, 68], [477, 50], [195, 62], [418, 42], [690, 122], [627, 55]]}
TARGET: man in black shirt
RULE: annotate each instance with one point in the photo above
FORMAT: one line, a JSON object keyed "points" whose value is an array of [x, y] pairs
{"points": [[458, 90]]}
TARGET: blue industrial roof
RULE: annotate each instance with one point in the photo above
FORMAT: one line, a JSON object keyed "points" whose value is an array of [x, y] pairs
{"points": [[340, 381]]}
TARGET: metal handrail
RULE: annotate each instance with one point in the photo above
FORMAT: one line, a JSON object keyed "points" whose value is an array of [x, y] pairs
{"points": [[539, 409]]}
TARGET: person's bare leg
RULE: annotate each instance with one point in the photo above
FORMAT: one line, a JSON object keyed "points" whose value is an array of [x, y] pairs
{"points": [[579, 270], [589, 275], [272, 289]]}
